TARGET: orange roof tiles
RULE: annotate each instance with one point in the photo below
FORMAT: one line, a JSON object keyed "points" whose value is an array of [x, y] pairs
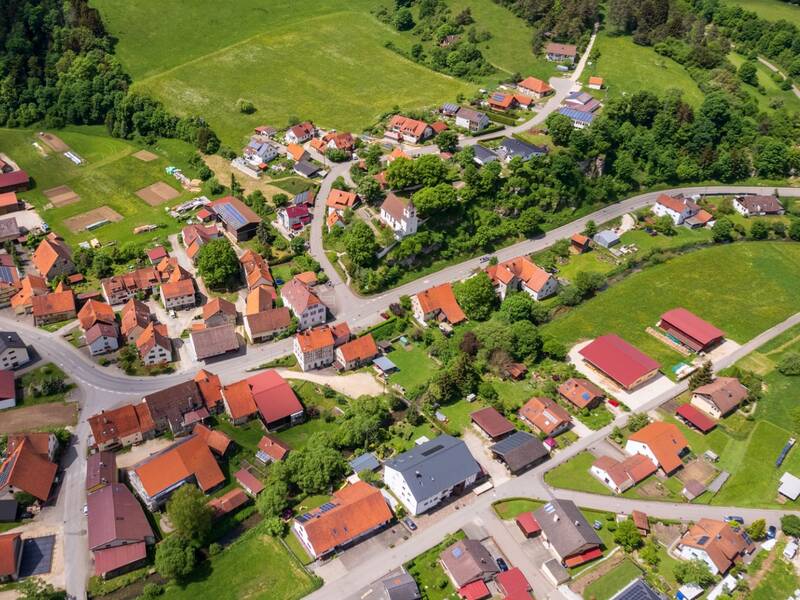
{"points": [[360, 349], [273, 447], [532, 276], [535, 85], [190, 457], [307, 277], [408, 126], [545, 414], [340, 199], [27, 470], [10, 549], [53, 303], [218, 305], [30, 286], [665, 441], [94, 311], [580, 392], [239, 399], [596, 81], [722, 544], [441, 298], [210, 388], [214, 438], [260, 299], [121, 422], [49, 251], [178, 289], [228, 502], [155, 334], [315, 339], [134, 314], [296, 151]]}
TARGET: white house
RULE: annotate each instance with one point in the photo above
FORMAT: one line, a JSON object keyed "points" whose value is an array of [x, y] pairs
{"points": [[258, 152], [400, 214], [305, 304], [676, 208], [522, 274], [102, 337], [314, 348], [154, 345], [404, 129], [178, 294], [302, 132], [13, 351], [661, 442], [750, 206], [715, 543], [424, 476], [472, 120]]}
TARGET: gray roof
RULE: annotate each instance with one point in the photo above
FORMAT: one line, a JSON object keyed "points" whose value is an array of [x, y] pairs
{"points": [[401, 587], [8, 510], [306, 168], [435, 466], [520, 450], [606, 238], [9, 228], [484, 155], [557, 570], [566, 528], [511, 147], [365, 461], [384, 364], [467, 561], [449, 107], [638, 590], [473, 116], [10, 340]]}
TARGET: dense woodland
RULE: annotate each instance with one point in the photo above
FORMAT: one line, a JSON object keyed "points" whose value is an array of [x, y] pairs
{"points": [[57, 66], [556, 21]]}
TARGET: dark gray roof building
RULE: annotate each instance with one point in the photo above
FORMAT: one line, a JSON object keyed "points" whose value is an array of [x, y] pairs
{"points": [[520, 451], [565, 528], [401, 587], [482, 155], [467, 561], [10, 340], [365, 461], [511, 147], [638, 590], [8, 510], [306, 168]]}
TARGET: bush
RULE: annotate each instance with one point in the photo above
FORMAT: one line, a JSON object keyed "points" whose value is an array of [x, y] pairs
{"points": [[245, 106], [790, 364], [151, 590], [214, 548]]}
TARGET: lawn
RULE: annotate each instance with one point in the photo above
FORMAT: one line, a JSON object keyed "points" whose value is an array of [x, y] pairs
{"points": [[574, 475], [275, 575], [613, 581], [628, 68], [109, 177], [428, 573], [716, 283], [513, 392], [773, 90], [35, 378], [458, 414], [297, 436], [771, 10], [597, 418], [323, 61], [513, 507], [780, 582], [414, 366]]}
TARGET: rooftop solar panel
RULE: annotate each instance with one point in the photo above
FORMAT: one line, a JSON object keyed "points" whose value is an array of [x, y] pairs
{"points": [[231, 215], [7, 274]]}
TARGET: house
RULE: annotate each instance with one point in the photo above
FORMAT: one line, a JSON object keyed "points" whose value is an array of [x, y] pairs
{"points": [[755, 205], [256, 270], [95, 311], [187, 461], [501, 102], [339, 201], [270, 449], [237, 218], [448, 109], [168, 407], [214, 439], [156, 255], [595, 83], [356, 353], [341, 333], [227, 503], [259, 299], [364, 462], [121, 288], [134, 318], [429, 473], [661, 442], [306, 198], [339, 140], [400, 215], [28, 469], [257, 152], [567, 534], [400, 587], [545, 416], [267, 324], [467, 561], [353, 513], [101, 470], [513, 584], [619, 476], [305, 304], [439, 303], [121, 427], [606, 238], [491, 423], [482, 155], [314, 348], [618, 360], [522, 274], [249, 482], [302, 132], [306, 168], [154, 345], [520, 451], [10, 556], [265, 130], [390, 158], [210, 389], [29, 286], [53, 258], [196, 236], [9, 279], [53, 307], [8, 389], [102, 338], [580, 119], [278, 405], [560, 52], [13, 351], [530, 86], [119, 531], [213, 341], [239, 402], [581, 393], [177, 295], [720, 397], [294, 217], [703, 218], [580, 243], [9, 203], [472, 120], [14, 181], [693, 417], [43, 443], [510, 148], [219, 312], [716, 543], [676, 208], [9, 230], [690, 330], [639, 589], [403, 129], [582, 102]]}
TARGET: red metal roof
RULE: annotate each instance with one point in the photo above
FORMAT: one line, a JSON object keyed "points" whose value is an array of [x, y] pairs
{"points": [[273, 396], [579, 559], [618, 359], [513, 584], [692, 325], [111, 559], [528, 523], [7, 390], [690, 413], [492, 422], [249, 481], [477, 590]]}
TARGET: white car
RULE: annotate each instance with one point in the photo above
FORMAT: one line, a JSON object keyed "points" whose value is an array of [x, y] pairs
{"points": [[86, 509]]}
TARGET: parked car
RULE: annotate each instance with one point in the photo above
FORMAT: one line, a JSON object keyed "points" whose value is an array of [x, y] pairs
{"points": [[597, 524], [486, 258], [771, 532], [410, 524], [737, 519], [86, 509], [502, 564]]}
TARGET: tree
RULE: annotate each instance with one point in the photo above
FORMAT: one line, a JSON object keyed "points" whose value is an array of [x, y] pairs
{"points": [[274, 498], [370, 190], [590, 229], [403, 20], [245, 106], [527, 342], [35, 588], [218, 264], [477, 297], [433, 200], [447, 141], [693, 571], [757, 530], [789, 365], [175, 557], [628, 536], [664, 225], [759, 230], [650, 553], [360, 244], [317, 466], [748, 73], [637, 421], [275, 526], [401, 174], [790, 525], [560, 128], [102, 265], [702, 376], [190, 514], [794, 230], [722, 231], [150, 591], [521, 307]]}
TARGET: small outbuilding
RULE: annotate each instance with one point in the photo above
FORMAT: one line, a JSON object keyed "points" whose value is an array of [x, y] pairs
{"points": [[695, 418], [790, 486], [520, 451], [606, 238], [492, 423]]}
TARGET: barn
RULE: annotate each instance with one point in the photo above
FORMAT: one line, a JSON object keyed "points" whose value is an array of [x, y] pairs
{"points": [[690, 330]]}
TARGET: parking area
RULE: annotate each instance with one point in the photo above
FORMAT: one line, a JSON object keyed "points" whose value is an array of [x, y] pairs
{"points": [[388, 538]]}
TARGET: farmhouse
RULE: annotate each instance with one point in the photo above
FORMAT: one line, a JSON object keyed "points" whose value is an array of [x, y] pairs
{"points": [[239, 402], [690, 330], [121, 427], [305, 304], [751, 206], [536, 88], [260, 299], [662, 443], [277, 403], [676, 208], [471, 120], [520, 451], [403, 129], [313, 348], [121, 288], [256, 270], [437, 303], [213, 341], [400, 214], [101, 470], [720, 397], [352, 514], [178, 294], [545, 416], [53, 307], [101, 338], [53, 258], [581, 393], [339, 201], [567, 534], [618, 360], [491, 423], [356, 353], [619, 476], [238, 219], [267, 324], [13, 351], [134, 318], [154, 345], [510, 148], [560, 52], [522, 274], [187, 461], [14, 181], [715, 543], [219, 311], [429, 473], [467, 561], [28, 469], [95, 311], [302, 132]]}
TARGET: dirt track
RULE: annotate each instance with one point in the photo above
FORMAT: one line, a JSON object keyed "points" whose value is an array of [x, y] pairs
{"points": [[38, 416]]}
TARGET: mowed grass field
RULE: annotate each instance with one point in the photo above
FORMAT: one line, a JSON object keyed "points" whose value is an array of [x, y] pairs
{"points": [[628, 68], [743, 289], [774, 92], [109, 177], [323, 61], [771, 10]]}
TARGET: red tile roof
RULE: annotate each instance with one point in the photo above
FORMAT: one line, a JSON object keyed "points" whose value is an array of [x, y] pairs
{"points": [[214, 438], [178, 289], [360, 349], [528, 523], [115, 516], [190, 457], [580, 392], [297, 295], [583, 558], [218, 305], [111, 559], [7, 387], [618, 359], [124, 421], [535, 85], [545, 414], [157, 253], [49, 251], [407, 126], [53, 303], [94, 311], [273, 396], [665, 441], [697, 418], [8, 199], [273, 447], [513, 584], [249, 481], [239, 398], [532, 276], [476, 590], [269, 320], [441, 297], [228, 502], [492, 422], [134, 314], [10, 549], [27, 470], [210, 388], [311, 340], [340, 199]]}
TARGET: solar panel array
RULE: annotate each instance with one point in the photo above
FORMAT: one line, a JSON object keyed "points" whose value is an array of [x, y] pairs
{"points": [[231, 215], [7, 274], [577, 115], [497, 97]]}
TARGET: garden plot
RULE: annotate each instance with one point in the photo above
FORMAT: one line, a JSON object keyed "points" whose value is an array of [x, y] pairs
{"points": [[61, 196], [158, 193], [145, 155], [55, 143], [84, 220]]}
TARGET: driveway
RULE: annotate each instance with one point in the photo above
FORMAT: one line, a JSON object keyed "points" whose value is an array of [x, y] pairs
{"points": [[353, 385], [479, 448]]}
